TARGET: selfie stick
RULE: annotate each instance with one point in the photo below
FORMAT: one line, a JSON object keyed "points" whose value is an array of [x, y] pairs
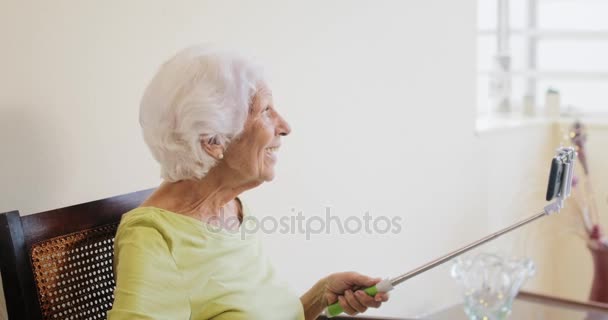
{"points": [[560, 187]]}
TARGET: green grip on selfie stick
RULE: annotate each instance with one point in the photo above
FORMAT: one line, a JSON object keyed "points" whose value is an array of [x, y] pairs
{"points": [[335, 309], [385, 285]]}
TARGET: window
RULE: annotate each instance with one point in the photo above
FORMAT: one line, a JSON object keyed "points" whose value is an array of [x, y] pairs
{"points": [[526, 47]]}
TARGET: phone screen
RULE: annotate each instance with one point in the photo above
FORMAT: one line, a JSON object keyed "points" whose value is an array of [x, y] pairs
{"points": [[555, 178]]}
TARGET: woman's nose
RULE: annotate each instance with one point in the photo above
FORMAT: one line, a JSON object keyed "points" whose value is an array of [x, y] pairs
{"points": [[283, 127]]}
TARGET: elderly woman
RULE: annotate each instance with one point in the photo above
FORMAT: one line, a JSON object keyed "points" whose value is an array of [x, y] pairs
{"points": [[209, 120]]}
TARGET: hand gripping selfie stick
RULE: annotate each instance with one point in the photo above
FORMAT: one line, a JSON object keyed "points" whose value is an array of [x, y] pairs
{"points": [[559, 188]]}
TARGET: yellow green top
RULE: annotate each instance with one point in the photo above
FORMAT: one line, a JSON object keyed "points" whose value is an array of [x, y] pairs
{"points": [[171, 266]]}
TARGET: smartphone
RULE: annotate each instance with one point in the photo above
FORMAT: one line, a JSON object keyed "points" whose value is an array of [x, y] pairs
{"points": [[556, 177]]}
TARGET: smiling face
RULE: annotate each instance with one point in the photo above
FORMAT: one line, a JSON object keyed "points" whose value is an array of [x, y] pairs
{"points": [[253, 153]]}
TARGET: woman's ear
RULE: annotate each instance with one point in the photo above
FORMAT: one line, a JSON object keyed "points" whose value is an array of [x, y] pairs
{"points": [[212, 147]]}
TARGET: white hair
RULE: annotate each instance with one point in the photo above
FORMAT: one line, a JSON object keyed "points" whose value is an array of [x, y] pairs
{"points": [[200, 93]]}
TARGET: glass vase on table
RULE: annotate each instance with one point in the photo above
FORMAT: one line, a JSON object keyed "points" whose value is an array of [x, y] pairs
{"points": [[489, 284]]}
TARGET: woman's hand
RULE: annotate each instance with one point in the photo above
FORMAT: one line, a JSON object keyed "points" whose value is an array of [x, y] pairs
{"points": [[344, 288], [347, 289]]}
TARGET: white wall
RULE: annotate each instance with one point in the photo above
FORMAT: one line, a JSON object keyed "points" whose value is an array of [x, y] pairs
{"points": [[380, 95]]}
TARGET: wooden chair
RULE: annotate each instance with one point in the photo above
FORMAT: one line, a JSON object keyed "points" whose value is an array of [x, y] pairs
{"points": [[57, 264]]}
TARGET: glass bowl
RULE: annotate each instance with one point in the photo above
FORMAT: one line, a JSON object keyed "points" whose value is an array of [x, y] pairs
{"points": [[489, 283]]}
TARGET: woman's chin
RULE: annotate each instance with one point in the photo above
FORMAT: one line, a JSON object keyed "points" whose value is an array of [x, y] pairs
{"points": [[268, 176], [268, 173]]}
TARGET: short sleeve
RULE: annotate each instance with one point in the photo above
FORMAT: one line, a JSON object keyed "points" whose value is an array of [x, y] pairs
{"points": [[147, 278]]}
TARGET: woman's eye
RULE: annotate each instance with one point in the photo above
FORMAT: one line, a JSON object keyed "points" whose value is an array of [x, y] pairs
{"points": [[267, 109]]}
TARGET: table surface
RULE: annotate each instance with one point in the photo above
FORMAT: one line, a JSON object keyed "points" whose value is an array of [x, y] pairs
{"points": [[527, 306], [537, 307]]}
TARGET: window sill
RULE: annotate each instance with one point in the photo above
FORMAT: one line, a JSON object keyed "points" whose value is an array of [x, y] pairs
{"points": [[488, 124]]}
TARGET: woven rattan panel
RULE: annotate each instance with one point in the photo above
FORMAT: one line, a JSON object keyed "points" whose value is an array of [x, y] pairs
{"points": [[73, 274]]}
